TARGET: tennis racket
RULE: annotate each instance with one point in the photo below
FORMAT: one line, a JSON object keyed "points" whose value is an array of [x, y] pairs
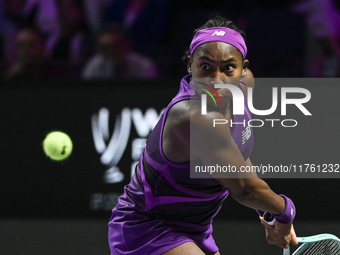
{"points": [[322, 244]]}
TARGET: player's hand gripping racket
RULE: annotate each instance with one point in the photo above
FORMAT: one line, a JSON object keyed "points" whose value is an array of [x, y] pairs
{"points": [[322, 244]]}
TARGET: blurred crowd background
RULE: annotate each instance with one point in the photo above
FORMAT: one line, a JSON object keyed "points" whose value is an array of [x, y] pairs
{"points": [[56, 44], [145, 39]]}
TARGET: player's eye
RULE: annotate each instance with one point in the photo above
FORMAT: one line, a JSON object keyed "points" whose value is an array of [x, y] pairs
{"points": [[205, 66], [229, 68]]}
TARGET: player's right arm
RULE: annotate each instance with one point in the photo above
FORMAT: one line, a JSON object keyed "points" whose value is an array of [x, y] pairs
{"points": [[214, 145], [187, 132]]}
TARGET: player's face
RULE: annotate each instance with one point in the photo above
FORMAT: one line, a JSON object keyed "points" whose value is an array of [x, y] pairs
{"points": [[217, 60], [217, 63]]}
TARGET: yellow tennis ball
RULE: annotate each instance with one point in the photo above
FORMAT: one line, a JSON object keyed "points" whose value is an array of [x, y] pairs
{"points": [[57, 145]]}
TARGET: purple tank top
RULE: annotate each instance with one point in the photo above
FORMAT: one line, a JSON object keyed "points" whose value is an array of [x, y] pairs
{"points": [[168, 189]]}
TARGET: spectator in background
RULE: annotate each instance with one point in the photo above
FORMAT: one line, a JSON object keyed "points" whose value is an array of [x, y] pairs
{"points": [[11, 18], [323, 49], [17, 14], [43, 15], [94, 12], [144, 20], [115, 59], [73, 44], [30, 58]]}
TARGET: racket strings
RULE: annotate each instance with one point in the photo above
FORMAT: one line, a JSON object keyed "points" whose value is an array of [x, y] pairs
{"points": [[324, 247]]}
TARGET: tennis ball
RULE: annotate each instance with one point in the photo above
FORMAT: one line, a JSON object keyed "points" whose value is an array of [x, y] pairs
{"points": [[57, 145]]}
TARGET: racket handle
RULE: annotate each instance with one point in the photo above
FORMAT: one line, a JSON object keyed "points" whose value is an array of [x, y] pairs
{"points": [[286, 251], [270, 220]]}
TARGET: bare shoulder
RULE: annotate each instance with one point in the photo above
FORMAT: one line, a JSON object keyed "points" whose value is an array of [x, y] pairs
{"points": [[207, 131], [176, 132], [186, 129], [185, 116], [179, 115]]}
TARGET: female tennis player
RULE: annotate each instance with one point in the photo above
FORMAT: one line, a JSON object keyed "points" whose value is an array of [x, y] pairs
{"points": [[163, 210]]}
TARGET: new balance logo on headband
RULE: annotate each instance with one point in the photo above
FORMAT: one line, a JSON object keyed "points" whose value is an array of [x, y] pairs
{"points": [[219, 33]]}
